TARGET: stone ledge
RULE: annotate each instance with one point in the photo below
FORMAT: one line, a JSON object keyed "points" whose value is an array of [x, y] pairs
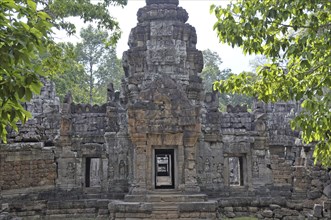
{"points": [[207, 206], [129, 207], [12, 193]]}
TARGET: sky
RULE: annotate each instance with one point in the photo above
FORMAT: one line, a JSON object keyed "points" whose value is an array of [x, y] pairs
{"points": [[199, 17]]}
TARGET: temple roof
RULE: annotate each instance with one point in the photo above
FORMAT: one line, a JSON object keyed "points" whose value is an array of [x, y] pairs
{"points": [[173, 2]]}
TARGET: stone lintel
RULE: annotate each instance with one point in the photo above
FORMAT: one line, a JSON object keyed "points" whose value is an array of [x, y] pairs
{"points": [[140, 138], [165, 139]]}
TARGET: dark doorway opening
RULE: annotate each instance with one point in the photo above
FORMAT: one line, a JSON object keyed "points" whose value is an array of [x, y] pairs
{"points": [[92, 172], [164, 169], [87, 171], [236, 171]]}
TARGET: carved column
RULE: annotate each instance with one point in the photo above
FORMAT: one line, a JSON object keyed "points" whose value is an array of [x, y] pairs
{"points": [[139, 176]]}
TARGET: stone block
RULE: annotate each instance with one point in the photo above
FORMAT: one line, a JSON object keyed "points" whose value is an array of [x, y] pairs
{"points": [[327, 191], [315, 194], [228, 209], [267, 213], [318, 210], [253, 209], [274, 206], [230, 214], [327, 209]]}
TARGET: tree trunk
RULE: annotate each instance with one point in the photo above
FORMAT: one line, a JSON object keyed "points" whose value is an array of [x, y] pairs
{"points": [[91, 83]]}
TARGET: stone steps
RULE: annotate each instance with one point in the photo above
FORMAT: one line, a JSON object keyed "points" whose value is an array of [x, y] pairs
{"points": [[87, 208], [165, 210], [65, 209], [163, 197], [164, 206]]}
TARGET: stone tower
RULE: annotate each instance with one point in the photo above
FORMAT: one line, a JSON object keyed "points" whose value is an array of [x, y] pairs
{"points": [[164, 96]]}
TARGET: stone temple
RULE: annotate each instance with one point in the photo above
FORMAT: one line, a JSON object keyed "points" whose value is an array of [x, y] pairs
{"points": [[159, 148]]}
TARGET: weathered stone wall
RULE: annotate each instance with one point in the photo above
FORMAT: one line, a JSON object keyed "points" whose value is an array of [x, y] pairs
{"points": [[44, 124], [280, 180], [28, 160], [94, 152], [281, 170], [262, 139], [26, 165], [83, 120]]}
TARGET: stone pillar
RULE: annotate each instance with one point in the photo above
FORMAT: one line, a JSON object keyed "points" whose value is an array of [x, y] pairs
{"points": [[110, 138], [120, 160], [139, 159], [68, 164], [190, 171], [190, 143]]}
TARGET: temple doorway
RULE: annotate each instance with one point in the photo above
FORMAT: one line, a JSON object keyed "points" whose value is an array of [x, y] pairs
{"points": [[92, 172], [164, 169]]}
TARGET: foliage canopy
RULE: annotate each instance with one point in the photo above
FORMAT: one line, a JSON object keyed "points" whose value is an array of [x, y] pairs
{"points": [[100, 62], [294, 35], [73, 78], [211, 72], [92, 67], [28, 51], [24, 35]]}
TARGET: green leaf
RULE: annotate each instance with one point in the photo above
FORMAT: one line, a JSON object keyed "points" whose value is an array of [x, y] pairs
{"points": [[32, 4], [35, 87], [305, 64], [12, 116], [212, 8], [21, 92], [36, 32], [28, 94], [43, 15]]}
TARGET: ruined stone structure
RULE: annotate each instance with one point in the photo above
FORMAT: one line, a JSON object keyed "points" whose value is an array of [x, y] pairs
{"points": [[160, 149]]}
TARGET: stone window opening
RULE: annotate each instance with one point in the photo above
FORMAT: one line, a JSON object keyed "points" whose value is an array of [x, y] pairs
{"points": [[92, 172], [236, 171]]}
